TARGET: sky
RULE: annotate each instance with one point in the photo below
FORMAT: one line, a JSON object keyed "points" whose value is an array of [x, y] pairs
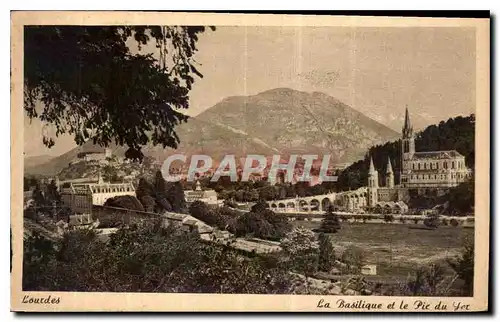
{"points": [[377, 71]]}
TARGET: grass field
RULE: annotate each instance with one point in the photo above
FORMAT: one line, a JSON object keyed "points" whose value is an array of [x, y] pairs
{"points": [[396, 249]]}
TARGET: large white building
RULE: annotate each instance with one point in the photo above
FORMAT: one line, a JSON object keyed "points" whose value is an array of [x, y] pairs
{"points": [[421, 171], [428, 169], [80, 197], [206, 196]]}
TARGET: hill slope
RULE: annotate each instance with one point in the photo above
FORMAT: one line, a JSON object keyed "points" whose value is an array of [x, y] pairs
{"points": [[279, 121]]}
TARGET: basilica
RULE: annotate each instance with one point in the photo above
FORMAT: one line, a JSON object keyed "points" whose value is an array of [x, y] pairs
{"points": [[422, 172]]}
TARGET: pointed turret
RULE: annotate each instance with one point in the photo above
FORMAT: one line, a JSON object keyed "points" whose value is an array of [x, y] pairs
{"points": [[389, 166], [372, 175], [389, 178], [372, 168], [372, 185]]}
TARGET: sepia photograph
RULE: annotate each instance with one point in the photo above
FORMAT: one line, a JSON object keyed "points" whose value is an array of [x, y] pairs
{"points": [[246, 162]]}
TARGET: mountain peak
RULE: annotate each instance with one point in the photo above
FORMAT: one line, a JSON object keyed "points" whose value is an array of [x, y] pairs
{"points": [[279, 91]]}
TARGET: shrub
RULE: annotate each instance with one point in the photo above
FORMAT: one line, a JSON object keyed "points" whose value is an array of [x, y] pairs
{"points": [[454, 222], [432, 221], [425, 282], [388, 218], [259, 207], [330, 223], [200, 210], [463, 265], [444, 222], [354, 258], [345, 218]]}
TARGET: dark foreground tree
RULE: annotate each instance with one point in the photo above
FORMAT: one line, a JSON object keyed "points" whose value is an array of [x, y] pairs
{"points": [[127, 202], [175, 196], [461, 198], [463, 265], [326, 253], [113, 84], [145, 194], [330, 223]]}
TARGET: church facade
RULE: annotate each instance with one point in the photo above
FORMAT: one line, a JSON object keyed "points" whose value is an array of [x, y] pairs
{"points": [[435, 171]]}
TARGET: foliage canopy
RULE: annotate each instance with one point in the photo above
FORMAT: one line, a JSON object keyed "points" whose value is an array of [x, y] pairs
{"points": [[94, 86]]}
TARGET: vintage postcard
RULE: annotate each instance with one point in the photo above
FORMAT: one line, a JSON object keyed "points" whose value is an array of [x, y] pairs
{"points": [[246, 162]]}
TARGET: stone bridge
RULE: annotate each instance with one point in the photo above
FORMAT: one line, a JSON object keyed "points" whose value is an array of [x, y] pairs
{"points": [[347, 200]]}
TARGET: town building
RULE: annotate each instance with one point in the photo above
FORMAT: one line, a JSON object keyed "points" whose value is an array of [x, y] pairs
{"points": [[208, 196], [80, 197], [99, 155]]}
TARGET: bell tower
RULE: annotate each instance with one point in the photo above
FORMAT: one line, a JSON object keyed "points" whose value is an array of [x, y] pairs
{"points": [[408, 139], [407, 148], [372, 185]]}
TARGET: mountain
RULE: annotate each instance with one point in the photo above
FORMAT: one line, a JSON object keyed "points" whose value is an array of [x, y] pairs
{"points": [[36, 160], [291, 121], [56, 164], [279, 121]]}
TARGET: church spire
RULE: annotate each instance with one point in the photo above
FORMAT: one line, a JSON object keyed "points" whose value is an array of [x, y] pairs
{"points": [[407, 128], [389, 165], [372, 168]]}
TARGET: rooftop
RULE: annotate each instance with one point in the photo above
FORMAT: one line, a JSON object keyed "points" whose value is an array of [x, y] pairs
{"points": [[437, 155]]}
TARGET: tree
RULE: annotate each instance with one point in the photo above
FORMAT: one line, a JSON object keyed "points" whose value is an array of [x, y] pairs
{"points": [[454, 222], [388, 218], [463, 265], [52, 194], [326, 253], [330, 223], [425, 281], [145, 194], [354, 258], [175, 196], [126, 202], [199, 209], [267, 193], [280, 223], [432, 221], [434, 275], [38, 196], [302, 249], [161, 192], [461, 198], [99, 88], [259, 207], [254, 224]]}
